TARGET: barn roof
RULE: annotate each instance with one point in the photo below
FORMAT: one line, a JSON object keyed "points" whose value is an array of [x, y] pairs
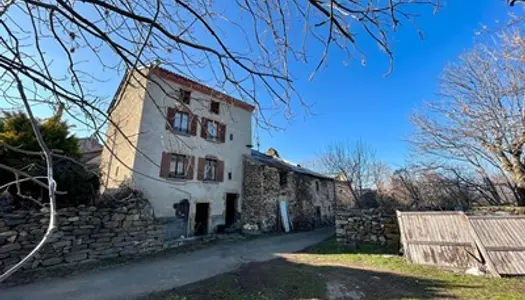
{"points": [[283, 164]]}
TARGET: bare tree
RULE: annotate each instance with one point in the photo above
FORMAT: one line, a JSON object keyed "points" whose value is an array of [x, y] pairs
{"points": [[480, 120], [417, 187], [355, 163]]}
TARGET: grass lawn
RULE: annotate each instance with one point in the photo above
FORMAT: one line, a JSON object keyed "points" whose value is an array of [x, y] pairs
{"points": [[328, 271]]}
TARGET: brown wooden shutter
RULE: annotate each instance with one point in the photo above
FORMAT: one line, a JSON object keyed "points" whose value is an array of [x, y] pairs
{"points": [[194, 119], [204, 128], [200, 168], [170, 117], [190, 162], [222, 132], [220, 170], [165, 164]]}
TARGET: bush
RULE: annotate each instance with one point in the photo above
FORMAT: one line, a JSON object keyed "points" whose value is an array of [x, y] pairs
{"points": [[80, 183]]}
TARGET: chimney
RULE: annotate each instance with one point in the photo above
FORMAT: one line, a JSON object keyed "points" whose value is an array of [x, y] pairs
{"points": [[272, 152]]}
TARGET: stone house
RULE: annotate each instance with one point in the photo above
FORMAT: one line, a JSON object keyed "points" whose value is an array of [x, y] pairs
{"points": [[269, 179], [182, 144], [91, 150]]}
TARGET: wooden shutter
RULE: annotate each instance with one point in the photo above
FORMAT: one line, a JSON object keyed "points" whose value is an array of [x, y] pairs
{"points": [[200, 168], [220, 170], [222, 132], [190, 162], [204, 128], [165, 164], [170, 117], [194, 119]]}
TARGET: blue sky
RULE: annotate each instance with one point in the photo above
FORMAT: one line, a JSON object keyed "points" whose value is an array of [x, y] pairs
{"points": [[350, 102], [354, 102]]}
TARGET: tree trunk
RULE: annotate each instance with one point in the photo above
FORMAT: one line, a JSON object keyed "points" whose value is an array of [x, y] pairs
{"points": [[521, 196]]}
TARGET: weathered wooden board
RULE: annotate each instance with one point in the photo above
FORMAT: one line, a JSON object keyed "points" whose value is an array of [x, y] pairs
{"points": [[439, 239], [503, 238]]}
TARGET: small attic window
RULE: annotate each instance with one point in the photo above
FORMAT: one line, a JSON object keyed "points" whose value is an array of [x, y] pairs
{"points": [[283, 178], [185, 96], [214, 107]]}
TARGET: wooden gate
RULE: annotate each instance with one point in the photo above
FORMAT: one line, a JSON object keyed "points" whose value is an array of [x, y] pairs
{"points": [[439, 239]]}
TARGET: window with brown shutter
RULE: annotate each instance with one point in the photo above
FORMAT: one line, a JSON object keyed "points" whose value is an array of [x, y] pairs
{"points": [[204, 125], [181, 122], [210, 169], [212, 130], [165, 164], [193, 124], [200, 168], [170, 117], [178, 166], [220, 171]]}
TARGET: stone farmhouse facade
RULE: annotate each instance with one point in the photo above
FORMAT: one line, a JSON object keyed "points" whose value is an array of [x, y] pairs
{"points": [[182, 144], [269, 179], [187, 147]]}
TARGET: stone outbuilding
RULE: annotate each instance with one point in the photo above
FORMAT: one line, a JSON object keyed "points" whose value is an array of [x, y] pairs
{"points": [[269, 179]]}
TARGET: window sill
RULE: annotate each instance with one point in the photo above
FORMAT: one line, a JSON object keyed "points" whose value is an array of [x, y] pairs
{"points": [[181, 133], [177, 179], [215, 141], [210, 181]]}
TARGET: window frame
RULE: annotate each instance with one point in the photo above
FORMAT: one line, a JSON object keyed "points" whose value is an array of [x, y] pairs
{"points": [[180, 129], [209, 136], [178, 159], [210, 162]]}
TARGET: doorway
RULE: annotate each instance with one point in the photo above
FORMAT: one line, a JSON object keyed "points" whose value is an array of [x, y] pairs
{"points": [[231, 209], [201, 218]]}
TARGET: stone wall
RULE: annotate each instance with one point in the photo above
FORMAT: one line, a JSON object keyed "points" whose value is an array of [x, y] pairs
{"points": [[358, 226], [264, 187], [260, 197], [496, 210], [87, 234]]}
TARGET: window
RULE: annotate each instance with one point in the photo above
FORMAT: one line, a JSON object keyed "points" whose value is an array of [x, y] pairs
{"points": [[177, 166], [213, 132], [181, 122], [317, 186], [229, 175], [210, 170], [214, 107], [185, 96], [283, 178], [231, 136]]}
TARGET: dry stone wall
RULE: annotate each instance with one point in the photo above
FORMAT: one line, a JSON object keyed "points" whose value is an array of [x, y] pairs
{"points": [[311, 200], [260, 197], [85, 234], [496, 211], [358, 226]]}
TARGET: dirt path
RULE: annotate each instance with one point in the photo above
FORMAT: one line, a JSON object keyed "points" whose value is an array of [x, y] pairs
{"points": [[134, 280]]}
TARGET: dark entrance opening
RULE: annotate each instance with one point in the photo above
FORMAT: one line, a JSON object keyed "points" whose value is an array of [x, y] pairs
{"points": [[231, 209], [201, 218], [318, 214]]}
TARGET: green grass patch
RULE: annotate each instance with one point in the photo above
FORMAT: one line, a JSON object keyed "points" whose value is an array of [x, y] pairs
{"points": [[331, 271]]}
